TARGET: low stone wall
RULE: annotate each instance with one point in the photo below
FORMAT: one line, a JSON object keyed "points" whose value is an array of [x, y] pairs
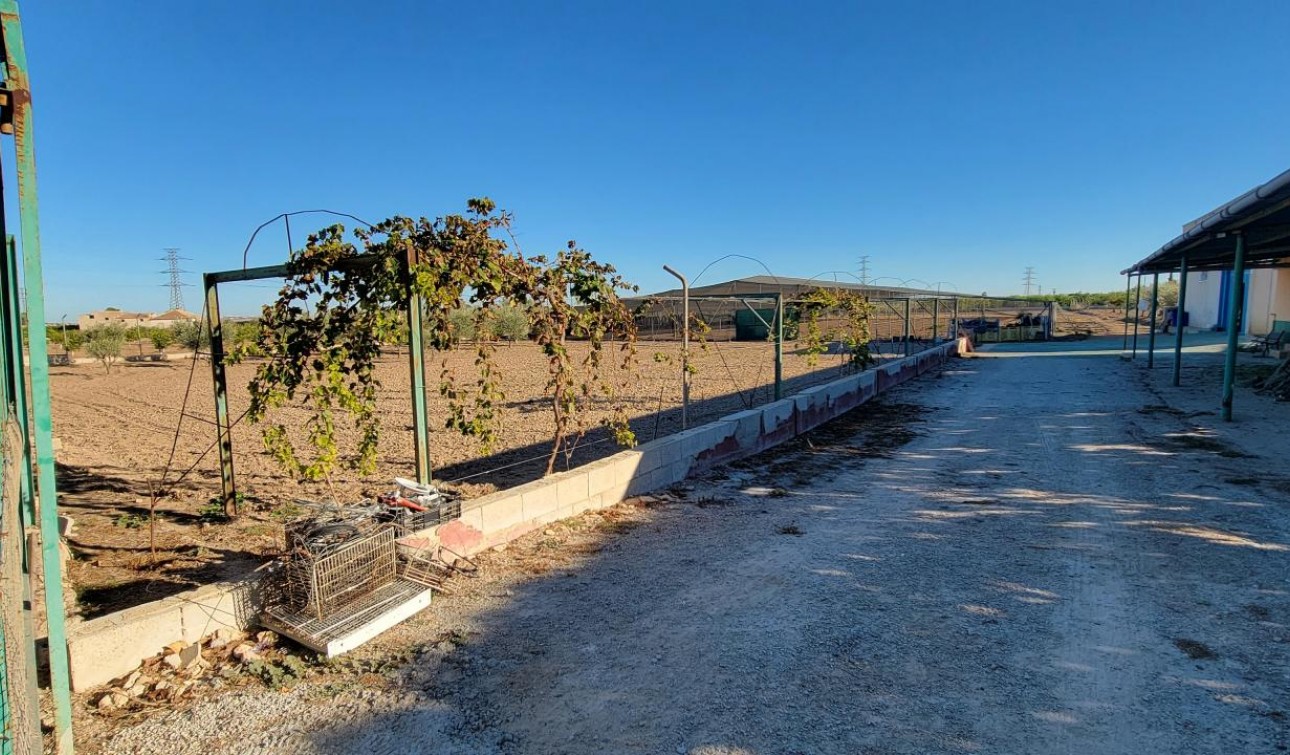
{"points": [[105, 648]]}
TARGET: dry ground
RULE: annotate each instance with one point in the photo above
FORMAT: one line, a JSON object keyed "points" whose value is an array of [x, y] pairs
{"points": [[1023, 556]]}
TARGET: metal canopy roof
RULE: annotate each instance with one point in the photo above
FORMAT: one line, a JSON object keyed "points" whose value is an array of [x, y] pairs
{"points": [[789, 286], [1262, 214]]}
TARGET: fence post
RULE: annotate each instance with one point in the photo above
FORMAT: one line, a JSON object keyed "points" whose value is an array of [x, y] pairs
{"points": [[1178, 318], [417, 369], [19, 86], [1137, 316], [779, 346], [907, 326], [1151, 337], [936, 321], [685, 345], [223, 428], [1234, 316]]}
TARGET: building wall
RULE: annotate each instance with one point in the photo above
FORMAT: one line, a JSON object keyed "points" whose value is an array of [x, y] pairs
{"points": [[1267, 299], [124, 319], [1281, 295], [1203, 305], [1260, 299], [129, 320]]}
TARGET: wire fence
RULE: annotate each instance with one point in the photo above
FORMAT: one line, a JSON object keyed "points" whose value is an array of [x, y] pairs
{"points": [[19, 710]]}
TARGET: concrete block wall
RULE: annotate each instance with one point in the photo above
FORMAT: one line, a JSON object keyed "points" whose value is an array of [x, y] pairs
{"points": [[102, 649], [108, 647], [506, 515]]}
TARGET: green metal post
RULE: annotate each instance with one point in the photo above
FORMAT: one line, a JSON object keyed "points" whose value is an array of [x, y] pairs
{"points": [[906, 326], [223, 427], [1234, 315], [1137, 316], [1178, 319], [1128, 285], [954, 330], [42, 418], [936, 321], [15, 394], [417, 365], [16, 379], [1151, 338], [779, 346]]}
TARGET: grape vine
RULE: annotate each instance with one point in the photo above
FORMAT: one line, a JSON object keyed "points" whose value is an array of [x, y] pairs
{"points": [[344, 301]]}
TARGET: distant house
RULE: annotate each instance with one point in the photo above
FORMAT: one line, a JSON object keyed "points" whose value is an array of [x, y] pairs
{"points": [[171, 317], [134, 319]]}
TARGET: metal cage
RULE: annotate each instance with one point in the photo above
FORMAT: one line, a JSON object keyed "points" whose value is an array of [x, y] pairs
{"points": [[321, 579]]}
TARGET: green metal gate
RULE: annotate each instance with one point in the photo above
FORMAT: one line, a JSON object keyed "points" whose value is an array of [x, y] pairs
{"points": [[29, 502]]}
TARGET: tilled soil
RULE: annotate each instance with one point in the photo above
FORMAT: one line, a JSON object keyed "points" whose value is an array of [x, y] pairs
{"points": [[1041, 568]]}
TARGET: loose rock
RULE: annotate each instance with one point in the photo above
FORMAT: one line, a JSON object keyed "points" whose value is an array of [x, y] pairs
{"points": [[246, 653]]}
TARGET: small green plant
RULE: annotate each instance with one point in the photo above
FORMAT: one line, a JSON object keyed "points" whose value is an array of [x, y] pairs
{"points": [[281, 673], [213, 511], [286, 512], [129, 521]]}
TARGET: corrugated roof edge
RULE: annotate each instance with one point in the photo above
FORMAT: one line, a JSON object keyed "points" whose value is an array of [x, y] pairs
{"points": [[1247, 202]]}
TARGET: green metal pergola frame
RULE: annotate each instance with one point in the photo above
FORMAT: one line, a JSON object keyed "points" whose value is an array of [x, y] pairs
{"points": [[214, 330]]}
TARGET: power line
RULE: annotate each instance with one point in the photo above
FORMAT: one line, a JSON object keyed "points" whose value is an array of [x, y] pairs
{"points": [[1029, 280], [864, 269], [176, 283]]}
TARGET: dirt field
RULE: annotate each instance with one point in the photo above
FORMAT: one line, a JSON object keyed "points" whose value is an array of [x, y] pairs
{"points": [[117, 432], [1093, 564]]}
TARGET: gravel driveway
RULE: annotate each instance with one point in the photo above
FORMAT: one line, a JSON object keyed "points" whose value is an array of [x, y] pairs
{"points": [[1014, 556]]}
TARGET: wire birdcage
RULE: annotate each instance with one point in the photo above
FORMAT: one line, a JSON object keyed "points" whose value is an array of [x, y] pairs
{"points": [[331, 565]]}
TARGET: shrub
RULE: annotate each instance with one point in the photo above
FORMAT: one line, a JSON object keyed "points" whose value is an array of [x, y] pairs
{"points": [[190, 335], [161, 338], [461, 322], [510, 323], [104, 343], [73, 340]]}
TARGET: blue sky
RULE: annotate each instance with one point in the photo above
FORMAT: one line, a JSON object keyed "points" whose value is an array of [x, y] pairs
{"points": [[949, 141]]}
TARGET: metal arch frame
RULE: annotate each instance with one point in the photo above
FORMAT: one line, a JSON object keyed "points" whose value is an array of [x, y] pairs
{"points": [[214, 330]]}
